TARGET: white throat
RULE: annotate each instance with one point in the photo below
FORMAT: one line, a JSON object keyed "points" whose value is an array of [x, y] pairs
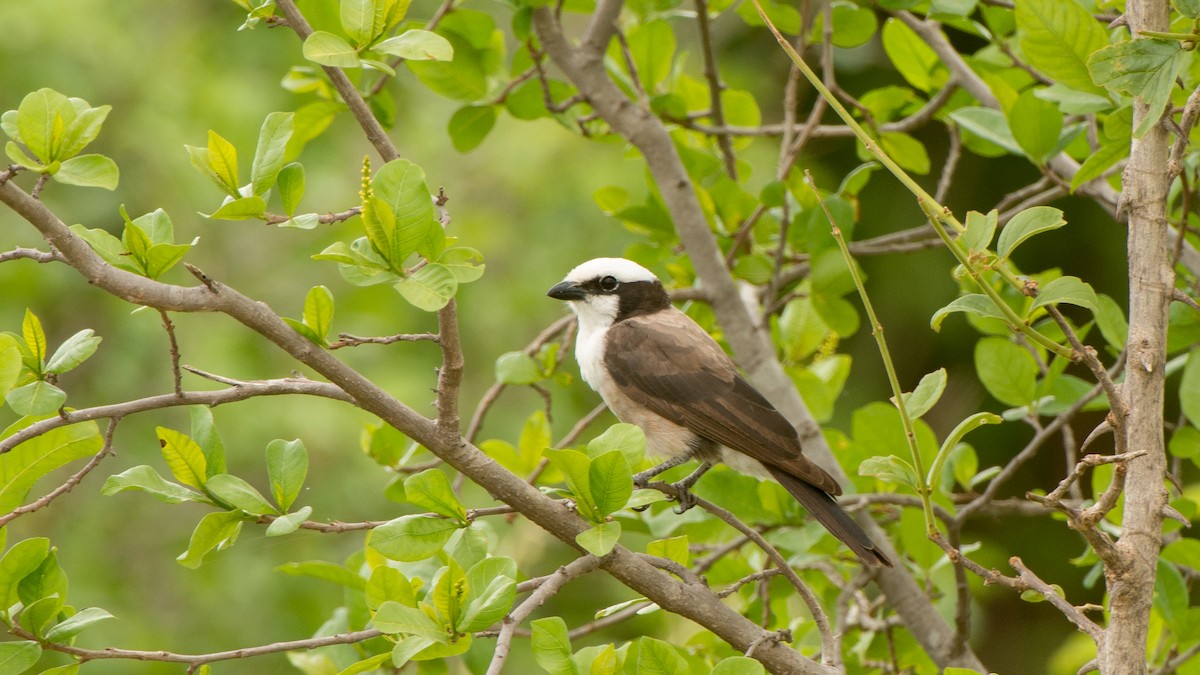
{"points": [[596, 315]]}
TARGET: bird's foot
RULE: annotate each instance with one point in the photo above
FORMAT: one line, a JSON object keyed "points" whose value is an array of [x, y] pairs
{"points": [[683, 496]]}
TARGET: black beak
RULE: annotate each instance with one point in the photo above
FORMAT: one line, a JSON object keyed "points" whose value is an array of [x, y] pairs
{"points": [[567, 290]]}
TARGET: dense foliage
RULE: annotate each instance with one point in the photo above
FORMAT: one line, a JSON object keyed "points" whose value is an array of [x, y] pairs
{"points": [[950, 171]]}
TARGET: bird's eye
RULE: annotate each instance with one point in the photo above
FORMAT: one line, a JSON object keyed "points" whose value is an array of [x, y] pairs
{"points": [[608, 284]]}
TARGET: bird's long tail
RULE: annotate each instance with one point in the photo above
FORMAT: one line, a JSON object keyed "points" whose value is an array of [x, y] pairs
{"points": [[825, 509]]}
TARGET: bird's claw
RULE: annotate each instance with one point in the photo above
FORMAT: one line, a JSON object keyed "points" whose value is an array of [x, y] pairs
{"points": [[683, 495]]}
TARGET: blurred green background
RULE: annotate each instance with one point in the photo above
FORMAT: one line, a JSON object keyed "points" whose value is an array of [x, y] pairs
{"points": [[172, 71]]}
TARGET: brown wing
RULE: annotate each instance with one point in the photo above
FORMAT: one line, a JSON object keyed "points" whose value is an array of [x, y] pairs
{"points": [[670, 365]]}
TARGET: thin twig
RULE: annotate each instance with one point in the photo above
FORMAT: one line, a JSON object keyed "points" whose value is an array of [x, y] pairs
{"points": [[493, 392], [348, 340], [198, 659], [239, 392], [176, 374], [806, 593], [32, 254], [536, 599]]}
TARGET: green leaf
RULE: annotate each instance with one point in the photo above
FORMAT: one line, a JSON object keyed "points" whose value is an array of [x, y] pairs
{"points": [[34, 336], [915, 60], [78, 623], [411, 538], [287, 467], [146, 479], [431, 490], [628, 438], [890, 469], [1057, 37], [18, 562], [1105, 157], [552, 646], [400, 185], [89, 171], [1027, 223], [241, 208], [610, 481], [1069, 290], [488, 605], [239, 494], [367, 665], [1143, 67], [393, 617], [217, 530], [363, 20], [330, 50], [408, 648], [46, 582], [574, 466], [325, 571], [853, 25], [184, 457], [39, 615], [988, 124], [739, 665], [926, 393], [1185, 552], [36, 399], [429, 288], [83, 130], [417, 45], [656, 657], [10, 362], [269, 154], [952, 442], [1111, 321], [1006, 370], [600, 539], [908, 152], [471, 124], [74, 351], [980, 230], [652, 46], [466, 264], [388, 583], [108, 247], [40, 122], [18, 657], [674, 548], [222, 159], [28, 462], [204, 433], [517, 368], [289, 523], [1189, 388], [1188, 8], [162, 257], [972, 303], [1036, 126], [18, 156], [290, 183], [318, 310]]}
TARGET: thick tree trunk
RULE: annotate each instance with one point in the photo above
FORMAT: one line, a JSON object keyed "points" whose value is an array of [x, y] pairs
{"points": [[1151, 280]]}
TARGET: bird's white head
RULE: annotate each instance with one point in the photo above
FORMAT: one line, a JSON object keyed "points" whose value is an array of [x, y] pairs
{"points": [[605, 290]]}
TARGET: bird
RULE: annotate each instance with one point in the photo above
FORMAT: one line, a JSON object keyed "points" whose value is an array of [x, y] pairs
{"points": [[658, 369]]}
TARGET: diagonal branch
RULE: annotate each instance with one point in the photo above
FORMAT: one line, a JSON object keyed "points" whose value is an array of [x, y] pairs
{"points": [[697, 604]]}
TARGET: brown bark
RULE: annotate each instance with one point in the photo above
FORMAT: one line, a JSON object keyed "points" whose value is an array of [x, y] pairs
{"points": [[1151, 280]]}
